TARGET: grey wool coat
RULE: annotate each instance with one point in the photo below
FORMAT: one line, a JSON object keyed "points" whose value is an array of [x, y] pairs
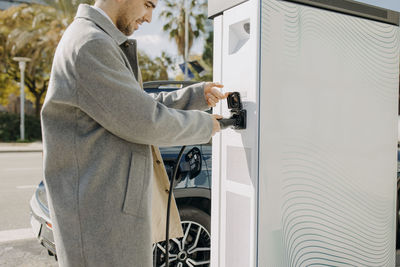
{"points": [[98, 128]]}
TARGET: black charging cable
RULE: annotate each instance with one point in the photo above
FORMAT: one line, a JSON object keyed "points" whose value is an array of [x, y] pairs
{"points": [[171, 188], [237, 121]]}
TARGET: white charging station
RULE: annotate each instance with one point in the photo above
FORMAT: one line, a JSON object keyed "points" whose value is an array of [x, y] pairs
{"points": [[312, 180]]}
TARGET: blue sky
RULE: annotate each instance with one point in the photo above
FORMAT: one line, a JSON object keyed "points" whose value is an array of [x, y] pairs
{"points": [[152, 40], [389, 4]]}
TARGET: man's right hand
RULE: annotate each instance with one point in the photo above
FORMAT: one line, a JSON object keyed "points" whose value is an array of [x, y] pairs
{"points": [[216, 127]]}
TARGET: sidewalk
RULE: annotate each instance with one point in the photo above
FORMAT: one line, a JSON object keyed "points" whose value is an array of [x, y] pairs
{"points": [[21, 147]]}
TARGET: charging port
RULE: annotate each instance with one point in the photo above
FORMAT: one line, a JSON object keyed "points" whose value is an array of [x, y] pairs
{"points": [[238, 117]]}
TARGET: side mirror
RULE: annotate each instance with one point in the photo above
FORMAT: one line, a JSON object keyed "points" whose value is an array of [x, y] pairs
{"points": [[194, 159]]}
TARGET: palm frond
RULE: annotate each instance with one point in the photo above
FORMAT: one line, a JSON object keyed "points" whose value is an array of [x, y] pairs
{"points": [[174, 21]]}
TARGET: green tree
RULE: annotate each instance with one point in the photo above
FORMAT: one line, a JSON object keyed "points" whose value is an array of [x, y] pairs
{"points": [[208, 49], [174, 14], [154, 69], [33, 31], [67, 8], [7, 87], [208, 56]]}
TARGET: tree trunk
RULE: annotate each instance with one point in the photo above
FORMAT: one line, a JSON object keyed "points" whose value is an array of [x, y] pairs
{"points": [[38, 106]]}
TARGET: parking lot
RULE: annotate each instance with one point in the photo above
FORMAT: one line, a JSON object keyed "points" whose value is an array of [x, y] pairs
{"points": [[25, 253], [20, 172]]}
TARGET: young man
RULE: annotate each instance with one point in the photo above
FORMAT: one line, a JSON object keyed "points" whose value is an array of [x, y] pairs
{"points": [[100, 132]]}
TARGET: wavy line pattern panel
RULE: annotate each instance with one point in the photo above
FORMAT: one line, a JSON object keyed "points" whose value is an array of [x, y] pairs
{"points": [[328, 122], [359, 42], [327, 219]]}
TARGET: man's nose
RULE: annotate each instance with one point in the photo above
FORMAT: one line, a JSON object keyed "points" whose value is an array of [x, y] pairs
{"points": [[148, 16]]}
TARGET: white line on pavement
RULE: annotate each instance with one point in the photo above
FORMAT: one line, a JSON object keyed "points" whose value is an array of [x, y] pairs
{"points": [[18, 234], [26, 186]]}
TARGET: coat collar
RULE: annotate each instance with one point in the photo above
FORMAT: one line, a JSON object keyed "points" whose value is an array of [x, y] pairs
{"points": [[87, 12]]}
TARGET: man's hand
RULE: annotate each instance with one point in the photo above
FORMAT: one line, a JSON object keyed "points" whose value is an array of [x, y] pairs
{"points": [[213, 94], [216, 127]]}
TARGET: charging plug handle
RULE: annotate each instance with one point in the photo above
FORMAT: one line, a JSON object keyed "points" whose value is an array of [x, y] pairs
{"points": [[225, 123], [237, 121]]}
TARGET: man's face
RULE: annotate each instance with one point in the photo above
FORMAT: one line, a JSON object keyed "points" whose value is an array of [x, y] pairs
{"points": [[132, 13]]}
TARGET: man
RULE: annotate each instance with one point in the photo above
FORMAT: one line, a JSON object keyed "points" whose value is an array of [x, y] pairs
{"points": [[98, 130]]}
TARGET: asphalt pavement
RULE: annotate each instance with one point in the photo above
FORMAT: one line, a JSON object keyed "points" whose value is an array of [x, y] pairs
{"points": [[20, 172], [25, 253]]}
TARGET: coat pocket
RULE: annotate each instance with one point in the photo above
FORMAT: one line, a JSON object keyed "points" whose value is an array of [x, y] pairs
{"points": [[134, 202]]}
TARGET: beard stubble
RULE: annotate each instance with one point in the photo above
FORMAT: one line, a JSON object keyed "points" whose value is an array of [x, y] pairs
{"points": [[123, 22]]}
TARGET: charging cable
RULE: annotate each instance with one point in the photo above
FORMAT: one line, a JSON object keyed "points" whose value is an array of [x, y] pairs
{"points": [[171, 188]]}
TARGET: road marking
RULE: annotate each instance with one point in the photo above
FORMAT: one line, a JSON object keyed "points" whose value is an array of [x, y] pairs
{"points": [[26, 186], [18, 234]]}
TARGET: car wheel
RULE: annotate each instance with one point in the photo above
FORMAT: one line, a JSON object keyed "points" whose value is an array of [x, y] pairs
{"points": [[193, 249]]}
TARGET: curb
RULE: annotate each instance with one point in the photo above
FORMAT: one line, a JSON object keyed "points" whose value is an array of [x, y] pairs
{"points": [[20, 150], [14, 147]]}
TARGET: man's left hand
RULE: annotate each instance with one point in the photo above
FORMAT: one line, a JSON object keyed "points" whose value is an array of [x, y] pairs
{"points": [[213, 94]]}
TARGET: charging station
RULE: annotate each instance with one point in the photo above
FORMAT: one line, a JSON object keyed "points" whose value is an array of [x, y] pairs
{"points": [[311, 181]]}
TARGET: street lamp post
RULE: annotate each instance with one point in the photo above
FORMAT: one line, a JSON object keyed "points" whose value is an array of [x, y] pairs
{"points": [[22, 65], [186, 37]]}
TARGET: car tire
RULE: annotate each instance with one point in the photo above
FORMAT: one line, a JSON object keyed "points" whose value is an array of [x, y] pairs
{"points": [[196, 215], [195, 250]]}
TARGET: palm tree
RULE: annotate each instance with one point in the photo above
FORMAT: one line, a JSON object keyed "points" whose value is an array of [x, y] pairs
{"points": [[154, 69], [174, 14]]}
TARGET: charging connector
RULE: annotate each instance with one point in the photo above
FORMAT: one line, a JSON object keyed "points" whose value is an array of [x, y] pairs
{"points": [[238, 119]]}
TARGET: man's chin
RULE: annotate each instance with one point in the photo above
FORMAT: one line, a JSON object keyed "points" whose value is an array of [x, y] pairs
{"points": [[131, 30], [130, 33], [127, 31]]}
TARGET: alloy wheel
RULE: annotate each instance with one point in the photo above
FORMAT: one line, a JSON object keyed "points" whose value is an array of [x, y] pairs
{"points": [[193, 249]]}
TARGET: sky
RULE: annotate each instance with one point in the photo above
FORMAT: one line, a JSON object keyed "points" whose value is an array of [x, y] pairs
{"points": [[152, 40], [388, 4]]}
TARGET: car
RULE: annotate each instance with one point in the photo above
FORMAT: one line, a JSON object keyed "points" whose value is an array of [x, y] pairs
{"points": [[192, 195]]}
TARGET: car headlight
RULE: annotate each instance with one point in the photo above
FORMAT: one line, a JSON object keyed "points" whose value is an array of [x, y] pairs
{"points": [[41, 196]]}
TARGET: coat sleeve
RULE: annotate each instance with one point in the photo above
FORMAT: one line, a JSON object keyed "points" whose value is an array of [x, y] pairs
{"points": [[188, 98], [108, 92]]}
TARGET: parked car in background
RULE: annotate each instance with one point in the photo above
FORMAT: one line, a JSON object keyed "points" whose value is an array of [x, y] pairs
{"points": [[192, 194]]}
